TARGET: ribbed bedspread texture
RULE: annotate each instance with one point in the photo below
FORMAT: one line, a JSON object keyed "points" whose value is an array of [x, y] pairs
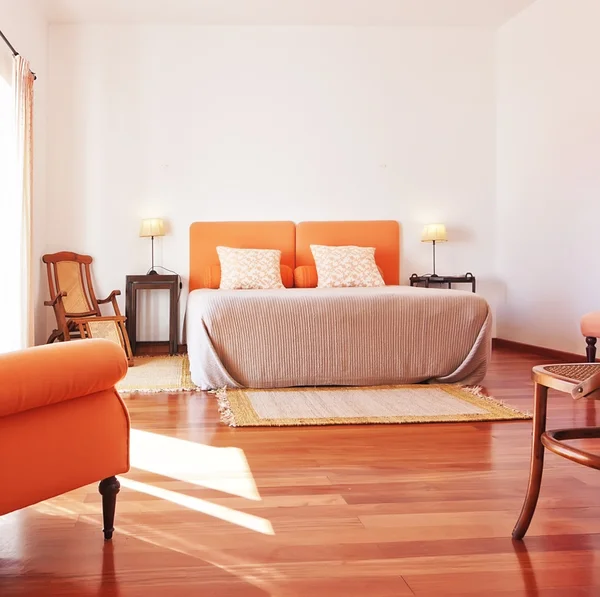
{"points": [[337, 336]]}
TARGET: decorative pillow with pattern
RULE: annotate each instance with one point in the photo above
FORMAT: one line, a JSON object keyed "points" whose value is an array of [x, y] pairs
{"points": [[339, 267], [245, 269], [212, 276]]}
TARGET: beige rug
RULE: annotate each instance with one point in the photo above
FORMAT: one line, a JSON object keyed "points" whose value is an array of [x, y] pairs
{"points": [[323, 406], [348, 405], [158, 374]]}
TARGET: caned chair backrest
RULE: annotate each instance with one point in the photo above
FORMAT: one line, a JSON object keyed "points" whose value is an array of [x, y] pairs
{"points": [[70, 273]]}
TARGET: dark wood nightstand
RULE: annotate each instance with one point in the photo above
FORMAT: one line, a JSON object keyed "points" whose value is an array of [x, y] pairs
{"points": [[468, 278], [152, 282]]}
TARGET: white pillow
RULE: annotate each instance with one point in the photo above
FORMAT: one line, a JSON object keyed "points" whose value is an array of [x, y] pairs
{"points": [[339, 267], [245, 269]]}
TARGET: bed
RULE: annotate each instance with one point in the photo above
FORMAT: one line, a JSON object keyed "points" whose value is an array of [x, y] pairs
{"points": [[327, 336]]}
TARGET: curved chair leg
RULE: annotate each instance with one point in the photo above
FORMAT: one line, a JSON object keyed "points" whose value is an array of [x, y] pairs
{"points": [[55, 335], [537, 462], [109, 489], [590, 349]]}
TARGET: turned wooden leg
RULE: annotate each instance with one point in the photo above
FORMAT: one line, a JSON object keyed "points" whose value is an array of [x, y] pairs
{"points": [[537, 462], [109, 489], [591, 349]]}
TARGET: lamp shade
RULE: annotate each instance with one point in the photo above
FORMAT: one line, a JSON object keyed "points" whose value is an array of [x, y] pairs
{"points": [[434, 232], [152, 227]]}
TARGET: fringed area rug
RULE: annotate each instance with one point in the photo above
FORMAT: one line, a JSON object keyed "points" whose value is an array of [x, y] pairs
{"points": [[361, 405], [158, 374]]}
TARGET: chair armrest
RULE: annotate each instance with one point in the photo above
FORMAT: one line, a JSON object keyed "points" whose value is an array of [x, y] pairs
{"points": [[55, 300], [54, 373], [586, 388], [109, 298]]}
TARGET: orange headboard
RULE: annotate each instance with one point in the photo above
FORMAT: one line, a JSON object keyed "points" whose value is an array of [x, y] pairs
{"points": [[205, 237], [384, 235]]}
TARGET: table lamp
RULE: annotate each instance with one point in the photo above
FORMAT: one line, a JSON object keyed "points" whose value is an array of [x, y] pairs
{"points": [[152, 227], [433, 233]]}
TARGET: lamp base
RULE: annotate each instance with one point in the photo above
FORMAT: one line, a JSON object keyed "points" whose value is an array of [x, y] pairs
{"points": [[152, 272]]}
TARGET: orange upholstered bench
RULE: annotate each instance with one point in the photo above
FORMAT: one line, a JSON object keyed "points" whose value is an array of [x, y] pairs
{"points": [[62, 423], [590, 328]]}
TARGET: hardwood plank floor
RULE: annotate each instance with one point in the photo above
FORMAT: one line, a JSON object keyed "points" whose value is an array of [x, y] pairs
{"points": [[382, 511]]}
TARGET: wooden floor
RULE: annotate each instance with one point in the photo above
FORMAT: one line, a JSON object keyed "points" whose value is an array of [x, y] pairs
{"points": [[374, 511]]}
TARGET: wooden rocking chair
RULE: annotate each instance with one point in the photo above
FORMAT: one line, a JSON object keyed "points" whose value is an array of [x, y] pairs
{"points": [[76, 308]]}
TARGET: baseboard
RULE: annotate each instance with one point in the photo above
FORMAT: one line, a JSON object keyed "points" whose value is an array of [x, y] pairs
{"points": [[554, 355], [550, 353], [149, 348]]}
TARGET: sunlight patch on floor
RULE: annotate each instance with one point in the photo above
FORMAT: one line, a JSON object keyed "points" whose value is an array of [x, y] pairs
{"points": [[248, 521], [222, 469]]}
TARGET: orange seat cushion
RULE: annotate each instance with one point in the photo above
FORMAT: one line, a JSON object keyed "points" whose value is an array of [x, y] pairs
{"points": [[590, 324], [212, 276], [306, 276]]}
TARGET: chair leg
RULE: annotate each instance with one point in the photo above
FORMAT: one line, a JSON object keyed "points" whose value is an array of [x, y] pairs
{"points": [[55, 335], [537, 462], [591, 349], [109, 489]]}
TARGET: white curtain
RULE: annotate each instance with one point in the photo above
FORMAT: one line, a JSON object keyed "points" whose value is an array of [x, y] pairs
{"points": [[23, 87], [16, 187]]}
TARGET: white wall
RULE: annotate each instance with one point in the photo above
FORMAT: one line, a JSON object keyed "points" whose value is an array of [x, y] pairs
{"points": [[25, 26], [548, 170], [223, 123]]}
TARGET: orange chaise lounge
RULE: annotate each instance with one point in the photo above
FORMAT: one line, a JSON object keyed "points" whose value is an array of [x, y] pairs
{"points": [[62, 423]]}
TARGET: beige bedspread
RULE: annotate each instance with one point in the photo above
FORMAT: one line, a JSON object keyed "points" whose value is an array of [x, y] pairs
{"points": [[345, 336]]}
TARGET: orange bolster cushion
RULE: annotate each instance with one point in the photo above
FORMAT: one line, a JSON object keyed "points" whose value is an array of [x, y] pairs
{"points": [[54, 373], [212, 276], [305, 276]]}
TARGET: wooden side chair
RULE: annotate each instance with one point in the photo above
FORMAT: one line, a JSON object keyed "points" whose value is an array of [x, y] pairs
{"points": [[75, 305], [581, 381]]}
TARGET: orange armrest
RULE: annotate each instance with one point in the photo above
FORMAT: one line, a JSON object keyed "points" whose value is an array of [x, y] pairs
{"points": [[49, 374]]}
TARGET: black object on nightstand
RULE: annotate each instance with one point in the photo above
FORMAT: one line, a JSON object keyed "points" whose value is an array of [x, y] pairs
{"points": [[468, 278], [152, 282]]}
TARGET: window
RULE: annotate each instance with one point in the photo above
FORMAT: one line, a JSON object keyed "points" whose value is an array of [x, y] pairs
{"points": [[11, 302]]}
